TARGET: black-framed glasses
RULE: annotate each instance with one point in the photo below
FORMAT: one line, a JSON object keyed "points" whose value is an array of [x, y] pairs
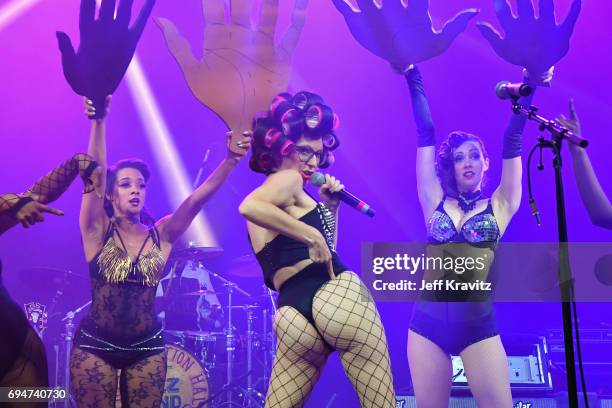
{"points": [[305, 153]]}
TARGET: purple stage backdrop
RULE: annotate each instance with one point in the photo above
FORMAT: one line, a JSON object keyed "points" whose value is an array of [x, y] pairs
{"points": [[42, 124]]}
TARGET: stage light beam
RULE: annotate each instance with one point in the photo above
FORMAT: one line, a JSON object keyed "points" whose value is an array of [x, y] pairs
{"points": [[175, 178], [13, 10]]}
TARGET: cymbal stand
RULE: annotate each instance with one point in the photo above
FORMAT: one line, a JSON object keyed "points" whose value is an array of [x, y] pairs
{"points": [[250, 334], [229, 332], [268, 339], [68, 336], [229, 340]]}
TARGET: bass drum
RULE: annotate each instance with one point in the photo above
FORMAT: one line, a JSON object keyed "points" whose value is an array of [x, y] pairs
{"points": [[186, 381]]}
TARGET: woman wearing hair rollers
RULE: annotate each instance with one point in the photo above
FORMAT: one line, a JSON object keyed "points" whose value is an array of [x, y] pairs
{"points": [[322, 306]]}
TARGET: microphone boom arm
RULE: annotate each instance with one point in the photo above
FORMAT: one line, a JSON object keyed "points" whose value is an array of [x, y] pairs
{"points": [[553, 127]]}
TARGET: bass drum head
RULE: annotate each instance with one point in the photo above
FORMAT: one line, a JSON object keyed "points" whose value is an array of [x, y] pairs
{"points": [[186, 380]]}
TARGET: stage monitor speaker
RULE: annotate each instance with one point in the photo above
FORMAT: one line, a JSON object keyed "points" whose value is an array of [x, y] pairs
{"points": [[557, 401], [526, 372]]}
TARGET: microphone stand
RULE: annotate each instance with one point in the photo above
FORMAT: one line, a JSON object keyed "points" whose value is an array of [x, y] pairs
{"points": [[559, 133]]}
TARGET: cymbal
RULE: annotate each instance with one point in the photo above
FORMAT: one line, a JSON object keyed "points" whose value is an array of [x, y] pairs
{"points": [[196, 333], [176, 333], [202, 292], [192, 333], [48, 276], [48, 286], [245, 266], [243, 307], [195, 253]]}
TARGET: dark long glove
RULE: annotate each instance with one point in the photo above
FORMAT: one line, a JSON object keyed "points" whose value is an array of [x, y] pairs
{"points": [[426, 135]]}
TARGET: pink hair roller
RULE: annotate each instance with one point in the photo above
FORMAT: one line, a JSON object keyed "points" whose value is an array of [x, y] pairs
{"points": [[271, 136], [284, 151], [287, 113], [277, 101], [314, 115], [336, 122]]}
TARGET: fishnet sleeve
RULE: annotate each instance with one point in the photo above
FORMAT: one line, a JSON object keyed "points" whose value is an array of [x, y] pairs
{"points": [[50, 187], [9, 203]]}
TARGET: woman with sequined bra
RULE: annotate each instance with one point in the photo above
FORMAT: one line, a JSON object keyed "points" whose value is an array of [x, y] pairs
{"points": [[126, 251], [450, 182], [322, 306]]}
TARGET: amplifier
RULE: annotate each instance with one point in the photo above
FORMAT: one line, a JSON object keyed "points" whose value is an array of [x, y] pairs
{"points": [[586, 336], [596, 345], [527, 372], [560, 401]]}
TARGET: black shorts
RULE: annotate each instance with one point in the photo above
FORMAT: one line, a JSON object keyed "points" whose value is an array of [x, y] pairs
{"points": [[453, 326], [299, 290], [119, 354]]}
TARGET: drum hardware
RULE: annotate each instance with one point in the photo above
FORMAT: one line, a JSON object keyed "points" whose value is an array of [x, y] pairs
{"points": [[269, 339], [44, 278], [40, 281], [68, 335], [202, 292], [241, 390], [195, 253], [229, 331]]}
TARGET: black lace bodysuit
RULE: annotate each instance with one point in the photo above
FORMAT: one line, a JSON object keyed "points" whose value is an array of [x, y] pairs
{"points": [[122, 327]]}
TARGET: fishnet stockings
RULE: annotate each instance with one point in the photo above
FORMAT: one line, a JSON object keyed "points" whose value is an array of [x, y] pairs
{"points": [[345, 318]]}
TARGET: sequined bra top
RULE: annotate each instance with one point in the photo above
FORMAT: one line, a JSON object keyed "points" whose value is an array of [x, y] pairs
{"points": [[283, 251], [123, 291], [480, 228], [116, 266]]}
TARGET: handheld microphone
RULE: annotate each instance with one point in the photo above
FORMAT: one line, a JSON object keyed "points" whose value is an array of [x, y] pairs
{"points": [[318, 179], [507, 90]]}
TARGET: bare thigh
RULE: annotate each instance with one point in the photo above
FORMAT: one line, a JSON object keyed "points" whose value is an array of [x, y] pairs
{"points": [[486, 368], [430, 370]]}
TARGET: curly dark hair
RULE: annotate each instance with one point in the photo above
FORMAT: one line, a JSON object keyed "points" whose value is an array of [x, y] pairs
{"points": [[288, 119], [445, 166], [111, 179]]}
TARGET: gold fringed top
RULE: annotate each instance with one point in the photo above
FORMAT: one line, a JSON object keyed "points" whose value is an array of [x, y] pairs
{"points": [[116, 265]]}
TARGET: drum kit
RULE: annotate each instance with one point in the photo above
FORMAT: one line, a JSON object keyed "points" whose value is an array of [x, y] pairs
{"points": [[226, 363]]}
